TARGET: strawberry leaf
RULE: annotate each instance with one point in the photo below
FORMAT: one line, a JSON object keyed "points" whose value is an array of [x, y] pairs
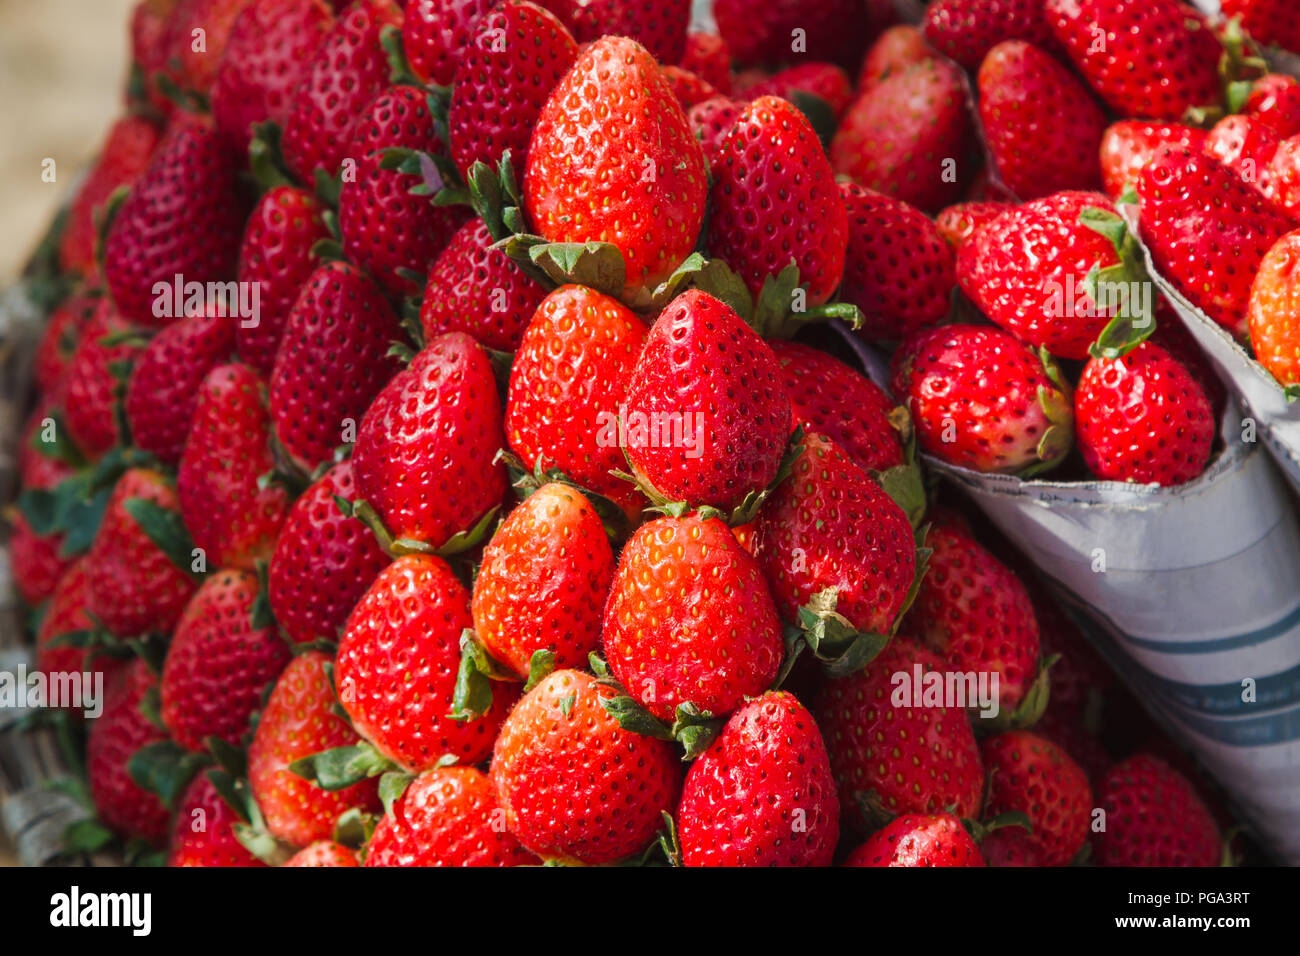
{"points": [[341, 767], [164, 769], [540, 666], [391, 787], [166, 530], [695, 729], [597, 265]]}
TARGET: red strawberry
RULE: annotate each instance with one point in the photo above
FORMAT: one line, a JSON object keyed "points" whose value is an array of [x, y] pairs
{"points": [[1037, 778], [687, 87], [762, 794], [660, 27], [889, 754], [543, 580], [773, 150], [348, 70], [1146, 58], [1154, 817], [707, 56], [1270, 22], [611, 148], [690, 619], [323, 853], [35, 468], [1281, 177], [65, 613], [574, 785], [711, 121], [233, 520], [424, 456], [323, 561], [1245, 147], [967, 29], [92, 385], [297, 721], [958, 223], [476, 289], [835, 30], [203, 831], [149, 51], [448, 816], [898, 270], [569, 378], [982, 399], [191, 64], [1274, 101], [333, 360], [1143, 418], [916, 839], [894, 51], [1127, 147], [37, 560], [59, 340], [275, 258], [397, 665], [826, 81], [1274, 299], [435, 35], [1010, 846], [163, 391]]}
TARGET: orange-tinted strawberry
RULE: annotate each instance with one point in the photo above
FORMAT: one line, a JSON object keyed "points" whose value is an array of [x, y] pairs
{"points": [[917, 839], [1127, 147], [203, 830], [323, 853], [435, 35], [1274, 301], [966, 30], [958, 223], [1154, 817], [1035, 777], [92, 385]]}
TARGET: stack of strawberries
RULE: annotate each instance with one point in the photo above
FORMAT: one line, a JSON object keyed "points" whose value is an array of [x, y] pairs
{"points": [[440, 454]]}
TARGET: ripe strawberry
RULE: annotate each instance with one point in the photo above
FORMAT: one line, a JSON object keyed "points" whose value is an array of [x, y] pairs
{"points": [[448, 816], [966, 30], [424, 456], [323, 853], [203, 830], [659, 27], [773, 150], [711, 121], [1274, 300], [1037, 778], [543, 580], [916, 839], [333, 360], [826, 81], [574, 785], [133, 585], [982, 399], [1245, 147], [706, 55], [569, 378], [687, 87], [1154, 817], [894, 51], [37, 560], [476, 289], [835, 30], [58, 343], [1143, 418], [958, 223], [1281, 177], [690, 619], [163, 391], [397, 664], [92, 386], [974, 611], [219, 663], [898, 270], [233, 520], [1042, 127], [65, 613], [903, 134], [830, 526], [1274, 101], [348, 70], [1127, 147], [297, 721], [762, 794], [612, 148], [1146, 58], [148, 34], [121, 730], [275, 258], [268, 54], [1269, 22], [323, 562], [190, 65], [891, 754], [1010, 846], [435, 35]]}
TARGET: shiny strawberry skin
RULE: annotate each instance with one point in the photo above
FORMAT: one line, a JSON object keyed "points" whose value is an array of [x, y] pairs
{"points": [[1129, 145], [90, 395], [1280, 179], [323, 853], [1154, 817], [203, 830], [959, 223], [917, 839], [1032, 775], [1244, 146], [436, 33], [1274, 303], [1275, 102], [966, 30], [710, 121]]}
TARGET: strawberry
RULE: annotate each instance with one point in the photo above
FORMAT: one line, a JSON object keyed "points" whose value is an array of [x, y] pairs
{"points": [[192, 65], [323, 853], [1146, 58], [773, 150], [230, 518], [706, 55], [203, 830], [425, 450], [1269, 22], [982, 399], [894, 756], [348, 70], [65, 613], [268, 54], [323, 561], [825, 81], [1281, 177], [1154, 817], [36, 469], [543, 580], [574, 785], [333, 360], [1245, 147], [762, 794], [1274, 101], [476, 289], [902, 136], [93, 381], [569, 378], [690, 619], [835, 30], [126, 152], [58, 343], [917, 839], [966, 30], [958, 223], [1037, 778], [148, 35], [894, 51], [436, 34], [832, 399], [1127, 147], [659, 27], [163, 390], [397, 664], [1010, 846], [379, 205], [121, 730], [1143, 418], [611, 148], [219, 662], [830, 526], [448, 816], [1274, 300], [711, 121], [687, 87], [974, 611], [37, 560], [133, 584], [1042, 127], [297, 721], [898, 270], [275, 258]]}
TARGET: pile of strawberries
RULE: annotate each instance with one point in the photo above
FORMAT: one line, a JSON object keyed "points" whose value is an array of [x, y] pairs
{"points": [[439, 452]]}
